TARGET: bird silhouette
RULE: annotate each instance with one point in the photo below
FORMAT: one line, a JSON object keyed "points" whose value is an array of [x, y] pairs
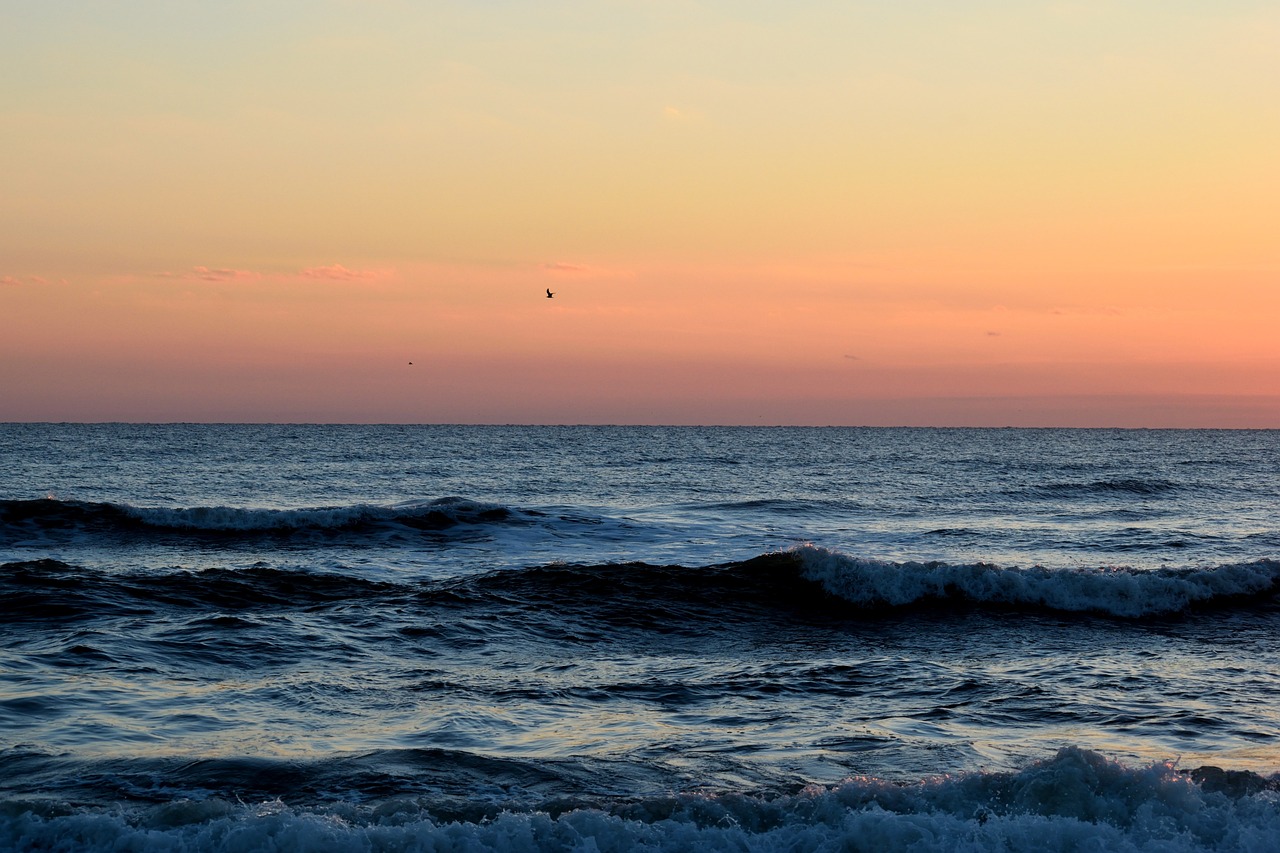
{"points": [[550, 295]]}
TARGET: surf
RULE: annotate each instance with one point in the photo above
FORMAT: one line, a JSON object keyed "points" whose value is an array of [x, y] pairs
{"points": [[1075, 800]]}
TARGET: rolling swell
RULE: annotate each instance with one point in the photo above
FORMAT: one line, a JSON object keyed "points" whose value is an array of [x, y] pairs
{"points": [[802, 582], [1114, 487], [40, 590], [33, 519], [448, 776], [817, 581], [635, 595]]}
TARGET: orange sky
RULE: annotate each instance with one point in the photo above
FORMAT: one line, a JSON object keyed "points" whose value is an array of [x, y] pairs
{"points": [[1030, 214]]}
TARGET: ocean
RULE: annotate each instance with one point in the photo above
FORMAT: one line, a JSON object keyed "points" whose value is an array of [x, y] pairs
{"points": [[449, 638]]}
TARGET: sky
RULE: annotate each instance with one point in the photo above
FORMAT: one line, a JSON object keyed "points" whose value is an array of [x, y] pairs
{"points": [[923, 213]]}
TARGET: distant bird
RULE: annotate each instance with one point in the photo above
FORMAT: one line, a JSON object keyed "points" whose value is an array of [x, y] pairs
{"points": [[550, 295]]}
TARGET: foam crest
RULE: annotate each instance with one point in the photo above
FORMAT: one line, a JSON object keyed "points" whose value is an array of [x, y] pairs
{"points": [[1116, 591], [1077, 800]]}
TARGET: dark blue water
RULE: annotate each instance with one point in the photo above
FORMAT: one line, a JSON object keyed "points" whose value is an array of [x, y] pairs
{"points": [[348, 637]]}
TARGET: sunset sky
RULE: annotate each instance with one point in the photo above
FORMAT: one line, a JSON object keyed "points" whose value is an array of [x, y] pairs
{"points": [[880, 213]]}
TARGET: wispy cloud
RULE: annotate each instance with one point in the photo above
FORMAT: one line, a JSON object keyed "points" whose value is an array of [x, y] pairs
{"points": [[337, 272], [567, 268], [15, 281], [1103, 310], [332, 272], [225, 274]]}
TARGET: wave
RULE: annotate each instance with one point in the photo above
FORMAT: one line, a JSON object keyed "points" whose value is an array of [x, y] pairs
{"points": [[1076, 800], [1113, 488], [803, 582], [45, 590], [26, 518], [783, 506], [1119, 591]]}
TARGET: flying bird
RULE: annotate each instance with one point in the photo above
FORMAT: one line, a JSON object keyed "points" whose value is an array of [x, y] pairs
{"points": [[550, 295]]}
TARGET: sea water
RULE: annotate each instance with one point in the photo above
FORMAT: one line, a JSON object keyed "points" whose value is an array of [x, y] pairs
{"points": [[233, 637]]}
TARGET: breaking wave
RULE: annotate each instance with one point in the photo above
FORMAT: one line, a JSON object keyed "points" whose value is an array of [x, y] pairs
{"points": [[1116, 591], [641, 596], [1077, 800]]}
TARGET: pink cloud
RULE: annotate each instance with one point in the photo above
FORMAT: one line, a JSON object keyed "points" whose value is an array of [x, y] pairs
{"points": [[337, 272], [333, 272], [562, 267], [568, 268], [224, 274], [10, 281]]}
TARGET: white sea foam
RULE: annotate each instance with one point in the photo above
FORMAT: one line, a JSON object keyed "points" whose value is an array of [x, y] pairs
{"points": [[1118, 591], [1075, 801]]}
